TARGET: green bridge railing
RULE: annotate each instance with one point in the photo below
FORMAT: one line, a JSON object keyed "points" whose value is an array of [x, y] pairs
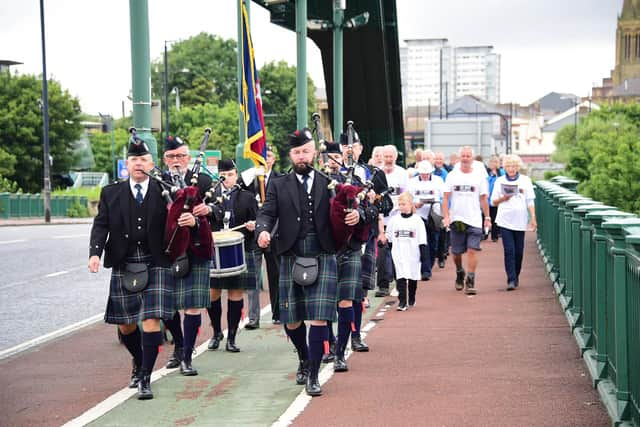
{"points": [[32, 205], [592, 254]]}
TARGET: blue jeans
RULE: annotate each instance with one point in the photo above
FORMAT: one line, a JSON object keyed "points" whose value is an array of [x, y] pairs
{"points": [[513, 244]]}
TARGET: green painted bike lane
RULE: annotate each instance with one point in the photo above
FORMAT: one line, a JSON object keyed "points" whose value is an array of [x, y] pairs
{"points": [[253, 387]]}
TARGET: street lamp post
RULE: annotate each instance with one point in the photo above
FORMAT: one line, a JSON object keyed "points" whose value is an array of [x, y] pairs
{"points": [[107, 119], [45, 123], [166, 90]]}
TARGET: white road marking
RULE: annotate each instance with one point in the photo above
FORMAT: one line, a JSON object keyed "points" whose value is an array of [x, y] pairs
{"points": [[6, 242], [70, 236], [57, 273], [119, 397], [51, 335], [301, 402]]}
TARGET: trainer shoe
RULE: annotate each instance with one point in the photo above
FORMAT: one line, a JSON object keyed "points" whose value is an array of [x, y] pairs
{"points": [[402, 307], [460, 279], [511, 286], [470, 288], [441, 264]]}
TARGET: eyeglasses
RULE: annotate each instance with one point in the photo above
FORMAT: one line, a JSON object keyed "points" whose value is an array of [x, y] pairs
{"points": [[176, 156]]}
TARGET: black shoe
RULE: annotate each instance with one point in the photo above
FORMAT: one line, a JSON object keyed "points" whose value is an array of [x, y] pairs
{"points": [[303, 372], [460, 279], [231, 346], [330, 357], [340, 365], [313, 386], [214, 343], [144, 388], [175, 359], [382, 292], [136, 373], [425, 277], [441, 264], [358, 345], [511, 286], [253, 324], [470, 286], [186, 369]]}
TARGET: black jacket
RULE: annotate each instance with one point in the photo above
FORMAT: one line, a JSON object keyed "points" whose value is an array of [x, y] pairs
{"points": [[111, 228], [282, 204]]}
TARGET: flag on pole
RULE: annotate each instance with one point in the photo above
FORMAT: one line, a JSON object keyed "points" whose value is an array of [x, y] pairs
{"points": [[255, 144]]}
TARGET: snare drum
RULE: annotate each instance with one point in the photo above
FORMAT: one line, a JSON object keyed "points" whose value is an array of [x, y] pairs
{"points": [[228, 254]]}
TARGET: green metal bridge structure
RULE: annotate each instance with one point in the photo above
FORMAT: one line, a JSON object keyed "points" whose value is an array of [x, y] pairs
{"points": [[592, 255]]}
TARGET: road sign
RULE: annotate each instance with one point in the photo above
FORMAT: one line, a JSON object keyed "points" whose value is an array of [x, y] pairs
{"points": [[123, 173]]}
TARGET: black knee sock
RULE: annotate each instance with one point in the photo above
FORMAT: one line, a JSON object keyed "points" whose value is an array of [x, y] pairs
{"points": [[357, 318], [345, 319], [413, 286], [298, 338], [317, 338], [173, 325], [191, 327], [133, 342], [215, 314], [332, 336], [234, 312], [401, 284], [151, 341]]}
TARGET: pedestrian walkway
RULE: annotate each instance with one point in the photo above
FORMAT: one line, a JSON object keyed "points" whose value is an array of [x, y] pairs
{"points": [[498, 358]]}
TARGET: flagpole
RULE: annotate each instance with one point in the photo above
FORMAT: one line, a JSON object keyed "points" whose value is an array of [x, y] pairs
{"points": [[241, 162], [301, 66]]}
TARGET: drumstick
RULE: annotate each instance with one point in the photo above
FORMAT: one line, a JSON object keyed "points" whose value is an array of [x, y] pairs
{"points": [[237, 227]]}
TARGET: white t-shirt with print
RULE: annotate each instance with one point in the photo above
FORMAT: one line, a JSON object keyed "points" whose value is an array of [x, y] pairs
{"points": [[513, 214], [406, 235], [427, 189], [397, 179], [466, 189]]}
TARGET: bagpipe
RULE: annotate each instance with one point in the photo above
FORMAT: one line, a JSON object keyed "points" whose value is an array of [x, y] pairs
{"points": [[347, 195], [182, 198]]}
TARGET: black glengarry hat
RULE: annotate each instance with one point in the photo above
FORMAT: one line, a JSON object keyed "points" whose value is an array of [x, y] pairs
{"points": [[300, 137], [344, 139], [225, 165], [137, 147], [173, 142]]}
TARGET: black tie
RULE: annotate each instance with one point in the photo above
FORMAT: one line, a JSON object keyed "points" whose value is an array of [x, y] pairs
{"points": [[139, 197], [305, 183]]}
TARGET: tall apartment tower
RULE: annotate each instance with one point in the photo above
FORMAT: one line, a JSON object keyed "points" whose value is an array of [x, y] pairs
{"points": [[627, 43], [436, 73]]}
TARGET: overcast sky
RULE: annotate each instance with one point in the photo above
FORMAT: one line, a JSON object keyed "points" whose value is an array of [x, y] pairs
{"points": [[546, 45]]}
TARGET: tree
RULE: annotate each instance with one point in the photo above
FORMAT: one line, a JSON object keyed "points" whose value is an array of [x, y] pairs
{"points": [[278, 84], [21, 128], [203, 67], [101, 147], [603, 157]]}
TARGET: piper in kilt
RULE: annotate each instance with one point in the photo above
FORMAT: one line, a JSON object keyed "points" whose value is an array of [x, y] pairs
{"points": [[299, 202], [349, 241], [129, 228], [191, 291], [238, 207]]}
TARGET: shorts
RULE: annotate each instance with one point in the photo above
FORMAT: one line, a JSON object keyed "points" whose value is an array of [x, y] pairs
{"points": [[461, 240]]}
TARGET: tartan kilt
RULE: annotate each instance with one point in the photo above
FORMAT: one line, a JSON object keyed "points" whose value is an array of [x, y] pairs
{"points": [[369, 264], [154, 302], [314, 302], [349, 264], [247, 280], [192, 291]]}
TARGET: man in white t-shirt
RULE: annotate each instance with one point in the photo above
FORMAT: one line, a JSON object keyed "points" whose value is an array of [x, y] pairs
{"points": [[427, 190], [465, 199]]}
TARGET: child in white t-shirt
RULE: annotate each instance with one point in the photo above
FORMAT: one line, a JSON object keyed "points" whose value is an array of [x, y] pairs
{"points": [[408, 238]]}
